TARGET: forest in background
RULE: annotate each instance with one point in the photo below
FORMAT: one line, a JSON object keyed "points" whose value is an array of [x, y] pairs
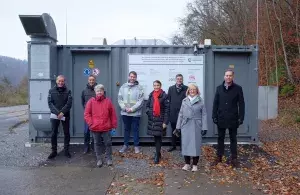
{"points": [[234, 22], [13, 81]]}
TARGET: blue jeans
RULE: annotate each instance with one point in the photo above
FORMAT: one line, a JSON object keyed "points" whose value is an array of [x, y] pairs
{"points": [[134, 123], [87, 136]]}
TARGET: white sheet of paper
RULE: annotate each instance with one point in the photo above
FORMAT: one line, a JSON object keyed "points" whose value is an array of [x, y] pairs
{"points": [[54, 116]]}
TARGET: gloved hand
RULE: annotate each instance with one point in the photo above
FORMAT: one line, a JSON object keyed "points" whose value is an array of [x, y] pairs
{"points": [[113, 132], [203, 132], [215, 120], [176, 132], [240, 122]]}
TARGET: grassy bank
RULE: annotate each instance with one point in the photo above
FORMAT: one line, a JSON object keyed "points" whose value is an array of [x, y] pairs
{"points": [[13, 95]]}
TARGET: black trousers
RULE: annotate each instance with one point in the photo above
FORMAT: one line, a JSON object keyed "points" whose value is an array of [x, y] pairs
{"points": [[174, 137], [158, 143], [66, 127], [187, 160], [233, 142]]}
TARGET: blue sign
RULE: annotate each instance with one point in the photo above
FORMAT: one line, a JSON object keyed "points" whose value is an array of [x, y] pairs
{"points": [[87, 71]]}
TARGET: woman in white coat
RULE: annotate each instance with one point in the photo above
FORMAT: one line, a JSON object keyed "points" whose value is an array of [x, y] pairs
{"points": [[192, 123]]}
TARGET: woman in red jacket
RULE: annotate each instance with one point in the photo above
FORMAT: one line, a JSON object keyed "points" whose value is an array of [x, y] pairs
{"points": [[100, 115]]}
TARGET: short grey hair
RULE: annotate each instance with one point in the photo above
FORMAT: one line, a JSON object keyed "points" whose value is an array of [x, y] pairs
{"points": [[99, 87]]}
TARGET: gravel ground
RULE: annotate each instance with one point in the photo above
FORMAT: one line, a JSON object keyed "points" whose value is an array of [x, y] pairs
{"points": [[13, 151]]}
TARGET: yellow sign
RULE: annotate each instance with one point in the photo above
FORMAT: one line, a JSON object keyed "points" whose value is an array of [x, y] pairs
{"points": [[231, 66], [91, 64]]}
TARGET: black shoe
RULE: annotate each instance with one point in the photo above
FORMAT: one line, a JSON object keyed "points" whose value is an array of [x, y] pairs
{"points": [[217, 161], [234, 163], [157, 158], [52, 155], [172, 149], [67, 154]]}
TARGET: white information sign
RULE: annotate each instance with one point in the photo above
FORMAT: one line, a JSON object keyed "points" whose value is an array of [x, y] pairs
{"points": [[165, 67]]}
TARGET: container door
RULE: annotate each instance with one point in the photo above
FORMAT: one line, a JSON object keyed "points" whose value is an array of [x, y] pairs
{"points": [[239, 63], [84, 65]]}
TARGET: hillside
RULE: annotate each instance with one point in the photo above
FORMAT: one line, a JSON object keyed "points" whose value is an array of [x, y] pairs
{"points": [[13, 69], [13, 81]]}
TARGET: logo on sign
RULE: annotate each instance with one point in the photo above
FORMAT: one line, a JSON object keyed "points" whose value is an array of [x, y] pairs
{"points": [[87, 71], [96, 71], [192, 78]]}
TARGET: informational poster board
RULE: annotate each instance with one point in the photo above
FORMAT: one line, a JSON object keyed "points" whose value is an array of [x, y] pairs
{"points": [[165, 67]]}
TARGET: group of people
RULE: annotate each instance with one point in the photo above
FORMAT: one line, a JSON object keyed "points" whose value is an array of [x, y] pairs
{"points": [[182, 107]]}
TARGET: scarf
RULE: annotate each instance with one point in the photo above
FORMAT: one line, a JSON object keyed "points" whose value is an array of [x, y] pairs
{"points": [[156, 104], [100, 97], [194, 99], [179, 88]]}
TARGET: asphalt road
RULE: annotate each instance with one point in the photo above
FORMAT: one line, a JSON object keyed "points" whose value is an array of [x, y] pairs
{"points": [[10, 116], [26, 170]]}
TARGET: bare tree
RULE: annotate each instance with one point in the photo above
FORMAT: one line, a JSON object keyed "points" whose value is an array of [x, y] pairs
{"points": [[290, 76], [274, 43]]}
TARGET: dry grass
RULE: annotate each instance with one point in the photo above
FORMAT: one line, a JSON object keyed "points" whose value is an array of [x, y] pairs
{"points": [[12, 96]]}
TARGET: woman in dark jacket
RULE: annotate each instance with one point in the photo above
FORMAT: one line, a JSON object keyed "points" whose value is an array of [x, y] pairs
{"points": [[157, 109]]}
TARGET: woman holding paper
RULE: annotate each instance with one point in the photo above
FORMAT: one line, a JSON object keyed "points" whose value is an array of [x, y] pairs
{"points": [[100, 115], [157, 109]]}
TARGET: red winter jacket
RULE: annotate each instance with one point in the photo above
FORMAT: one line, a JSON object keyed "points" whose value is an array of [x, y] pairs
{"points": [[100, 115]]}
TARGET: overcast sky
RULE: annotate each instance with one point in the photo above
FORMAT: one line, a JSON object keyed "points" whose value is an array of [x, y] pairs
{"points": [[90, 20]]}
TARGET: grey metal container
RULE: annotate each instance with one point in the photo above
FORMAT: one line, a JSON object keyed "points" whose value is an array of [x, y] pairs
{"points": [[112, 60]]}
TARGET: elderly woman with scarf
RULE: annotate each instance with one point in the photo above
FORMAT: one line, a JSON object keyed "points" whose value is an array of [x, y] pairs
{"points": [[192, 123], [157, 109]]}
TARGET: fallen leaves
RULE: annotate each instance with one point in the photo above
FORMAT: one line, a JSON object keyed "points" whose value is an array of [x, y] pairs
{"points": [[280, 176]]}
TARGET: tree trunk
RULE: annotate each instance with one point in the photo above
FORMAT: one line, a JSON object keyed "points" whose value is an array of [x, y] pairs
{"points": [[290, 76], [266, 60], [297, 26], [274, 43]]}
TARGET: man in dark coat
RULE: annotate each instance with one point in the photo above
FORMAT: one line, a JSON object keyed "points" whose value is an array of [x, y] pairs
{"points": [[60, 103], [228, 113], [176, 94], [86, 95]]}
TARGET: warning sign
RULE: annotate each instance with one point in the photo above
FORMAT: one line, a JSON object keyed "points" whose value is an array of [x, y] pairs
{"points": [[91, 64], [95, 71]]}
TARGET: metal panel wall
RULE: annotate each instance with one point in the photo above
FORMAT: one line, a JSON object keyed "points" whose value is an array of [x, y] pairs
{"points": [[118, 71], [267, 102], [38, 96], [40, 61]]}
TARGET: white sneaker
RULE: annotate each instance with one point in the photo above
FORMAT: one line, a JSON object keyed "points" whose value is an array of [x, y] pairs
{"points": [[137, 150], [195, 168], [123, 149], [99, 163], [186, 167]]}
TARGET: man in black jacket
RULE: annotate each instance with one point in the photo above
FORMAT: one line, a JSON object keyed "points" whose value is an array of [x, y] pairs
{"points": [[228, 113], [60, 103], [176, 94], [86, 95]]}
